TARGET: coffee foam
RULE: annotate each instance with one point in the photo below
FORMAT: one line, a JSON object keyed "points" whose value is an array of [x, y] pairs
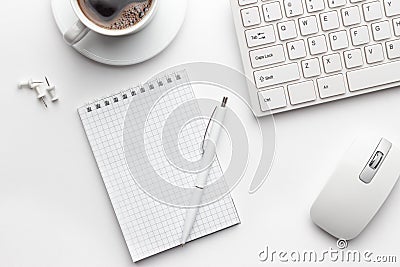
{"points": [[128, 17]]}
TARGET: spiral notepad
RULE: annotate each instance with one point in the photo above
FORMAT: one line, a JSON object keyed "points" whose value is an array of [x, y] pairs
{"points": [[149, 226]]}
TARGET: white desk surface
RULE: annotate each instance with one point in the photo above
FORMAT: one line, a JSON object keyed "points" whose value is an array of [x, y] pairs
{"points": [[54, 210]]}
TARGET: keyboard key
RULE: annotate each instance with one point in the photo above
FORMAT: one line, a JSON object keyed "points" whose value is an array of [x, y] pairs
{"points": [[359, 35], [272, 11], [336, 3], [317, 45], [373, 76], [392, 7], [329, 20], [293, 8], [338, 40], [331, 86], [311, 68], [351, 16], [287, 30], [277, 75], [353, 58], [374, 53], [301, 92], [308, 25], [396, 26], [381, 30], [372, 11], [315, 5], [332, 63], [247, 2], [272, 99], [296, 49], [267, 56], [250, 16], [260, 36], [393, 49]]}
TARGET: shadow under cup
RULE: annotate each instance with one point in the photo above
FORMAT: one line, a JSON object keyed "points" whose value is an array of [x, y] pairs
{"points": [[116, 14]]}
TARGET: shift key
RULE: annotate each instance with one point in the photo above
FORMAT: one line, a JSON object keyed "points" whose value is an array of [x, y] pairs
{"points": [[277, 75]]}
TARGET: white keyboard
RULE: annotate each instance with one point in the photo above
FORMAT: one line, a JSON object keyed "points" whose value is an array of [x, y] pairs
{"points": [[300, 53]]}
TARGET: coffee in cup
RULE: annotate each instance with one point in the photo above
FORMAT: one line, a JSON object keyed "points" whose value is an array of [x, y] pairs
{"points": [[109, 17], [115, 14]]}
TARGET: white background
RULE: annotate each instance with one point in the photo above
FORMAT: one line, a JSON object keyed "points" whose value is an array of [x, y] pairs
{"points": [[54, 210]]}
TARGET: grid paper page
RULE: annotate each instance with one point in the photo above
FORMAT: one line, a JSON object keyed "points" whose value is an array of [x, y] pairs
{"points": [[148, 226]]}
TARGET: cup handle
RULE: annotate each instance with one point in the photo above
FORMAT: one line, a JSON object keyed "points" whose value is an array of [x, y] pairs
{"points": [[77, 31]]}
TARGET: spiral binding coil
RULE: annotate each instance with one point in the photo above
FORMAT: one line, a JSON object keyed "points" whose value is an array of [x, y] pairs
{"points": [[132, 92]]}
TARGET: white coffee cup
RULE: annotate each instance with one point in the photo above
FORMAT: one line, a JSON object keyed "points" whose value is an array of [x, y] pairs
{"points": [[83, 25]]}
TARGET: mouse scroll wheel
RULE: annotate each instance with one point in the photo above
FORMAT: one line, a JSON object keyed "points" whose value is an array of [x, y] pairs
{"points": [[376, 160]]}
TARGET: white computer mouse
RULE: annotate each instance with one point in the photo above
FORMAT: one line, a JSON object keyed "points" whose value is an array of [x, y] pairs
{"points": [[357, 188]]}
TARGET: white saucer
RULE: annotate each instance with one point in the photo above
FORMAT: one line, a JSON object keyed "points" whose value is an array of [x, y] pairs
{"points": [[126, 50]]}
